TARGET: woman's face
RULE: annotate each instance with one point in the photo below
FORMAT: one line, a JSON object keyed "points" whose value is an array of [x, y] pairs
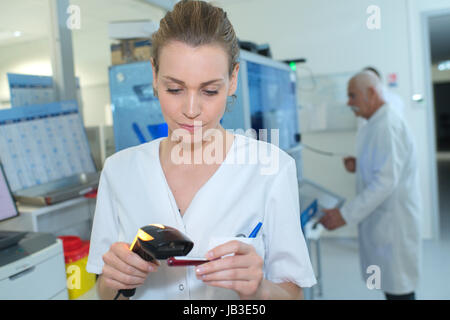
{"points": [[193, 85]]}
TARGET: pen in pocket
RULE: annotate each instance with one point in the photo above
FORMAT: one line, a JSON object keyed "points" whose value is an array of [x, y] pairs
{"points": [[255, 230]]}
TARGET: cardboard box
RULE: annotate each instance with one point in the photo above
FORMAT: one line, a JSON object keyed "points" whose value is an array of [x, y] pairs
{"points": [[131, 50]]}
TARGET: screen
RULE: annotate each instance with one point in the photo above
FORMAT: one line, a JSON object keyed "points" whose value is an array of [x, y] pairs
{"points": [[137, 115], [7, 205], [42, 143], [273, 102], [27, 89]]}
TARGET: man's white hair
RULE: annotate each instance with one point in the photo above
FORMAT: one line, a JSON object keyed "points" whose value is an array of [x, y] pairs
{"points": [[367, 79]]}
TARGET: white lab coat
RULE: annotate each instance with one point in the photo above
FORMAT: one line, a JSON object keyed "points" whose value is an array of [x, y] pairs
{"points": [[393, 100], [133, 192], [387, 206]]}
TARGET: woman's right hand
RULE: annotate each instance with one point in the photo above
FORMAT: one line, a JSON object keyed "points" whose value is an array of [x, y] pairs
{"points": [[124, 269]]}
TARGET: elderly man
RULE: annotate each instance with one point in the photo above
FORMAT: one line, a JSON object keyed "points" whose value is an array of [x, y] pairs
{"points": [[387, 205]]}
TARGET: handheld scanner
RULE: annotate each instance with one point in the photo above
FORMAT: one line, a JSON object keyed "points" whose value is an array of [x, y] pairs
{"points": [[157, 241]]}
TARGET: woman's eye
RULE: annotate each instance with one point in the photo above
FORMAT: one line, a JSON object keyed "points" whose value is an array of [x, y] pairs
{"points": [[173, 91], [211, 92]]}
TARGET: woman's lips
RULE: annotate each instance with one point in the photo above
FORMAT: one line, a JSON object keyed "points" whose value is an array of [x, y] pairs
{"points": [[190, 128]]}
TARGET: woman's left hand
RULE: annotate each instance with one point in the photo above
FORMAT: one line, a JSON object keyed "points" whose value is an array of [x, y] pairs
{"points": [[241, 272]]}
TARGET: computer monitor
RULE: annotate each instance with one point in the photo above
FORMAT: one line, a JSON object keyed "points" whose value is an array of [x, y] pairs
{"points": [[266, 99], [8, 210], [137, 114], [42, 143], [28, 89], [8, 207]]}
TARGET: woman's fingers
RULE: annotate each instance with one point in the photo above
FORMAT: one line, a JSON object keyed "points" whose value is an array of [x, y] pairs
{"points": [[122, 278], [230, 262], [124, 269], [242, 287], [230, 247], [122, 251], [234, 274], [115, 262], [115, 284], [242, 256], [241, 272]]}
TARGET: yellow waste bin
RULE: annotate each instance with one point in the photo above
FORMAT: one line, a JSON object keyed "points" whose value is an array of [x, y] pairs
{"points": [[76, 251]]}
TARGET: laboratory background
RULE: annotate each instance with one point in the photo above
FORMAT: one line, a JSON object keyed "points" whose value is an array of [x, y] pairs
{"points": [[76, 87]]}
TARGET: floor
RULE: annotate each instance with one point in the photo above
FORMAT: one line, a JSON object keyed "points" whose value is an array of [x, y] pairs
{"points": [[340, 262]]}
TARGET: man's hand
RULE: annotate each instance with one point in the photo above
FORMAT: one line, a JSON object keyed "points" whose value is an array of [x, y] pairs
{"points": [[332, 219], [350, 164]]}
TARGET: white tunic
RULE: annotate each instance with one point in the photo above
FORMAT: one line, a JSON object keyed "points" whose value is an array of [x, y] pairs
{"points": [[387, 206], [133, 192]]}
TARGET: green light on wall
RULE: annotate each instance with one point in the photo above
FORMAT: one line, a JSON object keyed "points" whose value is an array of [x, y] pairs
{"points": [[293, 66]]}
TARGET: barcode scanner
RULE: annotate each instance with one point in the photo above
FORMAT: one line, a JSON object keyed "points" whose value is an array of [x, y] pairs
{"points": [[158, 242]]}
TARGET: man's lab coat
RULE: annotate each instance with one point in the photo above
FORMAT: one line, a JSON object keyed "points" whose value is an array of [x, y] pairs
{"points": [[387, 207]]}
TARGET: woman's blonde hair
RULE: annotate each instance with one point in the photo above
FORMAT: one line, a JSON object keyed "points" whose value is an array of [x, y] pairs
{"points": [[196, 23]]}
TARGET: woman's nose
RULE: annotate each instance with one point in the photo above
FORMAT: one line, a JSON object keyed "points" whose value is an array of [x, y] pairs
{"points": [[192, 107]]}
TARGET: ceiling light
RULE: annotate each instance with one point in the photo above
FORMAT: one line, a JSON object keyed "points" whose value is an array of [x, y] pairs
{"points": [[445, 65], [7, 35]]}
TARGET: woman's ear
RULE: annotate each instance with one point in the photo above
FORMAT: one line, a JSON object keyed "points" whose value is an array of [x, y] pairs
{"points": [[234, 80]]}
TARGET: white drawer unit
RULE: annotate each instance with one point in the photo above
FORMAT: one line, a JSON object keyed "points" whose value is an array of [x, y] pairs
{"points": [[71, 217], [33, 269]]}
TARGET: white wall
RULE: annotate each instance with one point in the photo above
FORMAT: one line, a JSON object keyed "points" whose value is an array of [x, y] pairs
{"points": [[333, 36]]}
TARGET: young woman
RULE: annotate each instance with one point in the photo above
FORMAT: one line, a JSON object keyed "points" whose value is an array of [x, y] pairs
{"points": [[196, 181]]}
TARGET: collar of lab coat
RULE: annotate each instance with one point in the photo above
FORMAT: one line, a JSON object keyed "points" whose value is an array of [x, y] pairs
{"points": [[378, 114]]}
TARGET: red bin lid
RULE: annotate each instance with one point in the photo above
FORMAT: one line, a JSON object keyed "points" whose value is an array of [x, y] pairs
{"points": [[74, 248]]}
